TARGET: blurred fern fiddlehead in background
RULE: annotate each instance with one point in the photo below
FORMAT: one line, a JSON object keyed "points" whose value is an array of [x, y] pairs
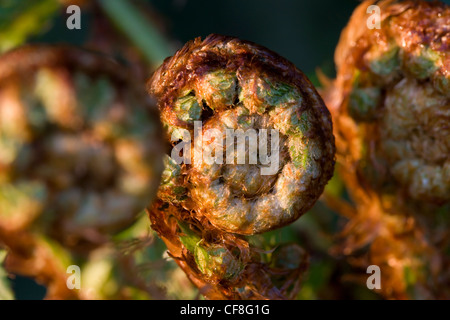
{"points": [[390, 105]]}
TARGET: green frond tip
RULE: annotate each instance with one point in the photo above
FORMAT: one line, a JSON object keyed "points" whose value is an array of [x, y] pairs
{"points": [[364, 102]]}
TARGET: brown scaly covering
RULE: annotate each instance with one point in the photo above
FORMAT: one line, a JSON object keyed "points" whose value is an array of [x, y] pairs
{"points": [[234, 84], [390, 105], [227, 83], [80, 156]]}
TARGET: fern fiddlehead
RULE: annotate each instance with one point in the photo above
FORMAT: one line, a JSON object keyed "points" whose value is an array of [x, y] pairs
{"points": [[206, 206]]}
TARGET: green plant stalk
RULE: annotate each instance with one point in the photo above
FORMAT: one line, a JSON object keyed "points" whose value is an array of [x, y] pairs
{"points": [[142, 32]]}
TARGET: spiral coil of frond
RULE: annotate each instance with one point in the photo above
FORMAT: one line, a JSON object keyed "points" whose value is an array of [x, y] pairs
{"points": [[206, 207]]}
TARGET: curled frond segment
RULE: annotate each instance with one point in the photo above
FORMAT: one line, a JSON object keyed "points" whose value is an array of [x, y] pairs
{"points": [[265, 149]]}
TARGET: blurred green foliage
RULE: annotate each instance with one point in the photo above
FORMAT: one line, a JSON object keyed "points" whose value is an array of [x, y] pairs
{"points": [[5, 286]]}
